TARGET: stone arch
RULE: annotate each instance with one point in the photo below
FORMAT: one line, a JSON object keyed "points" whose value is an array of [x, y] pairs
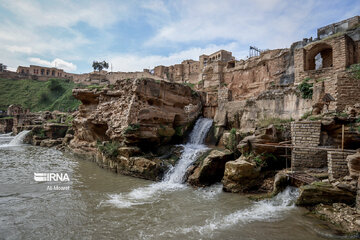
{"points": [[320, 52]]}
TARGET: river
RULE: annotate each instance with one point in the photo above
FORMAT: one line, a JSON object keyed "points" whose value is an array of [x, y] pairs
{"points": [[99, 204]]}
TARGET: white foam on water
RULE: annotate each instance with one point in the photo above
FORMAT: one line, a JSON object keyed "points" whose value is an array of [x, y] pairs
{"points": [[173, 179], [265, 210], [17, 140], [211, 192]]}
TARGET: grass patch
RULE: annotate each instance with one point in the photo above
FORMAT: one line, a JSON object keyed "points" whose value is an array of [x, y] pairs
{"points": [[277, 122], [109, 149], [131, 128], [96, 87], [314, 118], [355, 70], [306, 115], [55, 94]]}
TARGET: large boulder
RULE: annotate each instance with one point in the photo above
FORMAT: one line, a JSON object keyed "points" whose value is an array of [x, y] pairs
{"points": [[240, 175], [141, 112], [322, 192], [211, 169], [260, 143], [354, 164]]}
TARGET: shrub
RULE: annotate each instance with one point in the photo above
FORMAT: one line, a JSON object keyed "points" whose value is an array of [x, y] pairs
{"points": [[109, 149], [306, 115], [355, 70], [132, 128], [38, 132], [232, 143], [55, 86], [306, 89], [44, 97]]}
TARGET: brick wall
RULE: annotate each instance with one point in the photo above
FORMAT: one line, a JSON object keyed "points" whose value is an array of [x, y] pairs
{"points": [[306, 134], [348, 91], [337, 165]]}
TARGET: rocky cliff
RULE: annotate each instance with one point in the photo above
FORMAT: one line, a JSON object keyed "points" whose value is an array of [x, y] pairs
{"points": [[142, 112]]}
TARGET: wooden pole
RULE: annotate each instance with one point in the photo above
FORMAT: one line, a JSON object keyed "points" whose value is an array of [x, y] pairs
{"points": [[342, 137]]}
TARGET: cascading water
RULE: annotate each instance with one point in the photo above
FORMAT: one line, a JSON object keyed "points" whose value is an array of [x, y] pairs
{"points": [[266, 210], [17, 140], [174, 177]]}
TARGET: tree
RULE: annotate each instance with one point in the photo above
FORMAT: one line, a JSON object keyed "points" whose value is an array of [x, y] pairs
{"points": [[100, 65], [2, 67]]}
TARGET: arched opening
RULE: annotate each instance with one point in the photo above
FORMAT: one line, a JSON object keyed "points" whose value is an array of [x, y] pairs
{"points": [[42, 71], [319, 56], [53, 73]]}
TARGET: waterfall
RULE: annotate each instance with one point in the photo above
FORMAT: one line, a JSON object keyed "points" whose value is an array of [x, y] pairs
{"points": [[173, 179], [191, 151], [17, 140]]}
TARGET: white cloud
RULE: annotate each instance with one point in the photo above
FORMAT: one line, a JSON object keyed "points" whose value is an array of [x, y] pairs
{"points": [[67, 13], [19, 49], [132, 62], [59, 63], [272, 22]]}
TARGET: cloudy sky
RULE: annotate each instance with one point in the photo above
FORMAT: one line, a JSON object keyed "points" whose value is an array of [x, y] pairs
{"points": [[133, 35]]}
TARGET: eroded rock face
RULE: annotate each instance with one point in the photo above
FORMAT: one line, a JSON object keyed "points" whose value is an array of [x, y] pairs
{"points": [[354, 164], [240, 175], [141, 112], [211, 169], [136, 166], [320, 192]]}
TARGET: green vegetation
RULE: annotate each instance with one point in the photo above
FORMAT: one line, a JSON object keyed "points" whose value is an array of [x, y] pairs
{"points": [[306, 115], [179, 131], [355, 70], [314, 118], [260, 161], [342, 114], [277, 122], [97, 87], [306, 89], [39, 132], [55, 94], [191, 85], [232, 143], [109, 149], [7, 118], [132, 128]]}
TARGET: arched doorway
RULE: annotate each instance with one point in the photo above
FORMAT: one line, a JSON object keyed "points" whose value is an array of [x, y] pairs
{"points": [[319, 56]]}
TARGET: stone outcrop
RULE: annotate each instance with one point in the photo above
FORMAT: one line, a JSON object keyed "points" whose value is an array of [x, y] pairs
{"points": [[353, 162], [273, 103], [211, 169], [240, 175], [135, 166], [320, 192], [134, 112], [6, 125], [341, 215]]}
